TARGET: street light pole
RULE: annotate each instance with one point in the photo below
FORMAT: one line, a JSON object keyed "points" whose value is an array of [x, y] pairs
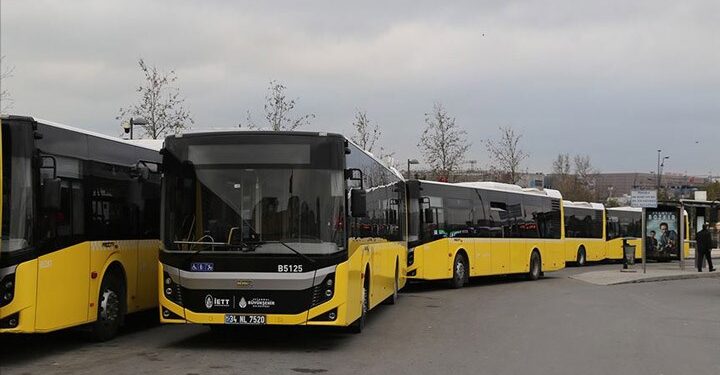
{"points": [[411, 161], [658, 176], [128, 126]]}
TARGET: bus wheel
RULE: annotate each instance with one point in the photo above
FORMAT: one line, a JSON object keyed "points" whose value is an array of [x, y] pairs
{"points": [[394, 297], [110, 310], [358, 325], [535, 266], [459, 272], [581, 257]]}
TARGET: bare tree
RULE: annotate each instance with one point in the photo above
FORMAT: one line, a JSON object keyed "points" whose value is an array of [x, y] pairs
{"points": [[366, 134], [443, 142], [278, 110], [584, 170], [6, 101], [561, 165], [506, 156], [578, 183], [161, 104]]}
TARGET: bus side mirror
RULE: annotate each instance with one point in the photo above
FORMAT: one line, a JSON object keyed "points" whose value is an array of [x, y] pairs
{"points": [[50, 193], [429, 217], [358, 203]]}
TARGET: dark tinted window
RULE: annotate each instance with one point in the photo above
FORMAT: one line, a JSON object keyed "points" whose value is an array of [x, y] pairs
{"points": [[466, 212], [583, 223], [386, 202], [623, 224]]}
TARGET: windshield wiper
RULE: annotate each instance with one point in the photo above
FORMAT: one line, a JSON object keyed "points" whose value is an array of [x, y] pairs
{"points": [[258, 243], [243, 246]]}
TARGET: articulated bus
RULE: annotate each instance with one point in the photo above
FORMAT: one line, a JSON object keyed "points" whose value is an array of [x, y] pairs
{"points": [[80, 228], [278, 228], [584, 232], [462, 230]]}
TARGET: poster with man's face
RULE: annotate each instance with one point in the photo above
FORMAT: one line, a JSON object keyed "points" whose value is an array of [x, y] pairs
{"points": [[662, 233]]}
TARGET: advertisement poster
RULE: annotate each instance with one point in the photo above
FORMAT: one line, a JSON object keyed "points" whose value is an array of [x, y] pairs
{"points": [[662, 233]]}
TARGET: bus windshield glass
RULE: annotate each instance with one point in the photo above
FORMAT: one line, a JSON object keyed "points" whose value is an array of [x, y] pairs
{"points": [[16, 188], [222, 207]]}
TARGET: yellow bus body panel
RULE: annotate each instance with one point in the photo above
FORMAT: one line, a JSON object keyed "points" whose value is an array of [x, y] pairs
{"points": [[379, 256], [594, 249], [24, 300], [486, 256], [62, 288], [57, 290]]}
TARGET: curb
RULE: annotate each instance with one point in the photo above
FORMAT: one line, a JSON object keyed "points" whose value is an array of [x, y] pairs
{"points": [[700, 275], [611, 277]]}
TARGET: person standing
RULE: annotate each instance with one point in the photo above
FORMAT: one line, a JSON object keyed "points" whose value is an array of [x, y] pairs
{"points": [[704, 248]]}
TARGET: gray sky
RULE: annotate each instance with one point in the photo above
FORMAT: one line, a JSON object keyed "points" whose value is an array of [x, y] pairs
{"points": [[614, 79]]}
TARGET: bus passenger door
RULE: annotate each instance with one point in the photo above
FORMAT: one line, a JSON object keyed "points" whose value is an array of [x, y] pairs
{"points": [[147, 284], [63, 277], [483, 257], [377, 281]]}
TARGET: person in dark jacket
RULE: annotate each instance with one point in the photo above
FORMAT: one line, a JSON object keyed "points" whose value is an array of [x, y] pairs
{"points": [[704, 247]]}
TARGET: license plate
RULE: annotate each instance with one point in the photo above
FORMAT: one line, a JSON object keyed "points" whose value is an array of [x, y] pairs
{"points": [[245, 319]]}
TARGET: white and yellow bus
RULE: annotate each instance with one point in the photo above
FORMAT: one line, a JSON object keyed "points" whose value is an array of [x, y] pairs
{"points": [[584, 232], [278, 228], [80, 223], [625, 223], [622, 223], [458, 231]]}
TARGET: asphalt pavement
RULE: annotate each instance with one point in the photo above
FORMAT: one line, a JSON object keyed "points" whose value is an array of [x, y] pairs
{"points": [[557, 325]]}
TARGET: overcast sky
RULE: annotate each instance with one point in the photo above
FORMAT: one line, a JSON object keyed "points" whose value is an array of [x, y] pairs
{"points": [[613, 79]]}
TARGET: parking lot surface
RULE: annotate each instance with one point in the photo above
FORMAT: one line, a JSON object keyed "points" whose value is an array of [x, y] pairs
{"points": [[557, 325]]}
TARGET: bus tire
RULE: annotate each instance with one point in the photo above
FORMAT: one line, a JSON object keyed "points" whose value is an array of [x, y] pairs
{"points": [[358, 325], [535, 270], [581, 259], [460, 272], [111, 308], [396, 287]]}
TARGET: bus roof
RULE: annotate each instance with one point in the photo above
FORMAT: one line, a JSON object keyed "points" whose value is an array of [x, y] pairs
{"points": [[588, 205], [150, 144], [238, 131], [625, 208], [498, 186], [230, 131]]}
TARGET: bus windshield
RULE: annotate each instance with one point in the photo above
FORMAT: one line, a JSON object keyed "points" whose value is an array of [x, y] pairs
{"points": [[16, 188], [235, 208]]}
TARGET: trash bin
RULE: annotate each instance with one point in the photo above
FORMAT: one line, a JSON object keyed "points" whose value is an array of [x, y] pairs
{"points": [[628, 254]]}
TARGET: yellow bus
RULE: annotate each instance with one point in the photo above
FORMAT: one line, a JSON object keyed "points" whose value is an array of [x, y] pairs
{"points": [[278, 228], [584, 232], [626, 223], [462, 230], [80, 222], [622, 223]]}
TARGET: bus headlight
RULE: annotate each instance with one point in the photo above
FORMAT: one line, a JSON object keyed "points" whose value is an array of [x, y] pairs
{"points": [[7, 289], [324, 291], [172, 291]]}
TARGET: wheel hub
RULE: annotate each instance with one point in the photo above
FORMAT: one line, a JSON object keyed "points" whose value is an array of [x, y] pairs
{"points": [[110, 306]]}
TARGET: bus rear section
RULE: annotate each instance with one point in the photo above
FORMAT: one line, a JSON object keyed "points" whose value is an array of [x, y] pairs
{"points": [[584, 232], [458, 231], [277, 229], [80, 219], [623, 224]]}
